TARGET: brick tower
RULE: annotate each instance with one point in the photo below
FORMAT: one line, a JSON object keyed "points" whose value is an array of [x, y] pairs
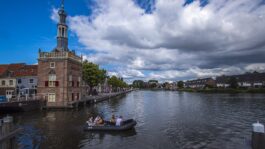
{"points": [[60, 71]]}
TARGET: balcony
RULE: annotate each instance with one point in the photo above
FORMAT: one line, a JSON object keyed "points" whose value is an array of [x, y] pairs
{"points": [[59, 55]]}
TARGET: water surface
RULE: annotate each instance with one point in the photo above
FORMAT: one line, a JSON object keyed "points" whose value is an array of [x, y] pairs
{"points": [[165, 119]]}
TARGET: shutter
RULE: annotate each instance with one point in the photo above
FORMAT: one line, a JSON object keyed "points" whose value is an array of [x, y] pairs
{"points": [[73, 83], [46, 83], [56, 83], [77, 83]]}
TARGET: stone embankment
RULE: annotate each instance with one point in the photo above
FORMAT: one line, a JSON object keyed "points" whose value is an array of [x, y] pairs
{"points": [[97, 98]]}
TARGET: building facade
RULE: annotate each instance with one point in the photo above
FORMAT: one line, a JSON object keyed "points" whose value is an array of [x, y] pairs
{"points": [[17, 80], [60, 71], [200, 83], [26, 81], [248, 80]]}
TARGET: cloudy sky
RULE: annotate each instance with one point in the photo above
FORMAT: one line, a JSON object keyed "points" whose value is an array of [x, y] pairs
{"points": [[168, 40]]}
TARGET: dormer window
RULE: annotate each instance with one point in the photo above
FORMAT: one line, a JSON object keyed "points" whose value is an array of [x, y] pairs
{"points": [[52, 65]]}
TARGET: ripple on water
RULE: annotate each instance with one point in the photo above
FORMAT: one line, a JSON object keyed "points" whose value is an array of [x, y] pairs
{"points": [[164, 120]]}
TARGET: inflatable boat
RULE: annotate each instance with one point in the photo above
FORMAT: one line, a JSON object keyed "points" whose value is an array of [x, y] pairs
{"points": [[126, 125]]}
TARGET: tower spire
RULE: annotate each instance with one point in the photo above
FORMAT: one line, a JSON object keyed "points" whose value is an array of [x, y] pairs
{"points": [[62, 4], [62, 29]]}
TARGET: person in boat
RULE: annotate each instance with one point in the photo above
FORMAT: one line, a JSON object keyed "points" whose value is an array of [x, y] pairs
{"points": [[113, 119], [96, 120], [119, 121], [100, 121], [90, 121]]}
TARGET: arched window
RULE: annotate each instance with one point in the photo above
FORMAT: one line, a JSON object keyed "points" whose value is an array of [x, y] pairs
{"points": [[60, 31], [63, 32]]}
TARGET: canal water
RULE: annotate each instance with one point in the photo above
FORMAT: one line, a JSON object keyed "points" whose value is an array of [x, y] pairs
{"points": [[165, 119]]}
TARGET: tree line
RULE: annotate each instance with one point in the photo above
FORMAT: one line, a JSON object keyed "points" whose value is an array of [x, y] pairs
{"points": [[93, 75]]}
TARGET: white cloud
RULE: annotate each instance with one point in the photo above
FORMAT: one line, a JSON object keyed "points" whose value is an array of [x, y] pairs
{"points": [[175, 41], [54, 15], [260, 67]]}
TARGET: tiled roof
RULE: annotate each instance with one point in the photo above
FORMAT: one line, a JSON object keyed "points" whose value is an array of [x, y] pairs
{"points": [[18, 70], [14, 67], [27, 70], [198, 81], [3, 69]]}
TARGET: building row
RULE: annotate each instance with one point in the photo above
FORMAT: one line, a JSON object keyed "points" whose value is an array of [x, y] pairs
{"points": [[248, 80], [18, 80]]}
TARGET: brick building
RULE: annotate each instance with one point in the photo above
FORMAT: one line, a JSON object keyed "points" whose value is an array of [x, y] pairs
{"points": [[60, 71], [200, 83]]}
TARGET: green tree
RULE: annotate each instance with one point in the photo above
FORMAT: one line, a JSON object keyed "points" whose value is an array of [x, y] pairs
{"points": [[180, 84], [138, 84], [92, 74], [233, 82], [153, 83], [116, 83]]}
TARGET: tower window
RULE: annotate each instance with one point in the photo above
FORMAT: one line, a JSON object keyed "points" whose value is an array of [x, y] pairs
{"points": [[60, 30], [52, 80], [51, 97], [63, 32], [52, 65]]}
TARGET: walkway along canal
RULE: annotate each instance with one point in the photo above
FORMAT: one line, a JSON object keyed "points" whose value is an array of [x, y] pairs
{"points": [[97, 98]]}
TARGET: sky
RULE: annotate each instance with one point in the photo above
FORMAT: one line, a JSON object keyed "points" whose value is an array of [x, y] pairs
{"points": [[167, 40]]}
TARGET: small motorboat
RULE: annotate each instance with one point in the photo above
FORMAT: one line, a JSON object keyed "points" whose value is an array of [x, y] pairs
{"points": [[126, 125]]}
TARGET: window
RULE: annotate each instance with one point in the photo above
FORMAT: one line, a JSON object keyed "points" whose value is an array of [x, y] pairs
{"points": [[11, 82], [77, 96], [73, 96], [71, 82], [52, 80], [62, 32], [52, 77], [51, 83], [52, 65], [31, 81], [3, 82], [19, 81], [51, 97]]}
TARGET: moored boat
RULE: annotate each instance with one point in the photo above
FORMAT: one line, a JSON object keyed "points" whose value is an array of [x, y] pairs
{"points": [[126, 125]]}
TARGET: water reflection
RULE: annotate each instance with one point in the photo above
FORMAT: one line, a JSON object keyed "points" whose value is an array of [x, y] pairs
{"points": [[164, 120]]}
